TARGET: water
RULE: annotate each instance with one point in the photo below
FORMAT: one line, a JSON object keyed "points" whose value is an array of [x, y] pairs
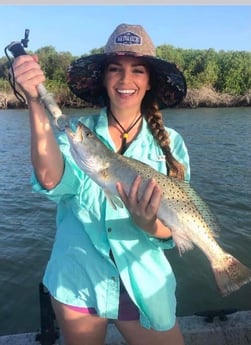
{"points": [[220, 151]]}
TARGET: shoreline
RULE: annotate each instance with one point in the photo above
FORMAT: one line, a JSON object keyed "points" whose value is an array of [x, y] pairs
{"points": [[196, 98]]}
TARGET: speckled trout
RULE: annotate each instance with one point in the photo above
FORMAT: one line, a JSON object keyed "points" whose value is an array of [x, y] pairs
{"points": [[181, 209]]}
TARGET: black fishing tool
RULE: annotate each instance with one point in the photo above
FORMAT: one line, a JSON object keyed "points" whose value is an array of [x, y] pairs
{"points": [[17, 49]]}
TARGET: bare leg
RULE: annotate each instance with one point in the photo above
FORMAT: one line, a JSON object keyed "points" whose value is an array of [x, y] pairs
{"points": [[134, 334], [78, 328]]}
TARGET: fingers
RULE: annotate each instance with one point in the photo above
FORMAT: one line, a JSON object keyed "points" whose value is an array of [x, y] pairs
{"points": [[28, 74], [142, 204], [131, 199], [138, 202], [134, 191], [122, 194], [150, 199]]}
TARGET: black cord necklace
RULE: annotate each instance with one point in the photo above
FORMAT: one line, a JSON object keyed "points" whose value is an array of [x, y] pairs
{"points": [[125, 132]]}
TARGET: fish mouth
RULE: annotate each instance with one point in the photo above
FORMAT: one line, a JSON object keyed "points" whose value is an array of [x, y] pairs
{"points": [[74, 137], [69, 133]]}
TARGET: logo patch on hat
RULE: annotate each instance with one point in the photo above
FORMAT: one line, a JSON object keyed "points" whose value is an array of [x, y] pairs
{"points": [[128, 38]]}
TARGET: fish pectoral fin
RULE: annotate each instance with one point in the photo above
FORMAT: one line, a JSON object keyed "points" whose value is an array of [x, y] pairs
{"points": [[114, 200], [182, 241], [184, 246]]}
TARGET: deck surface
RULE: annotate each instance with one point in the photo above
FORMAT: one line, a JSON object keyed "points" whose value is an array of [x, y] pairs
{"points": [[235, 330]]}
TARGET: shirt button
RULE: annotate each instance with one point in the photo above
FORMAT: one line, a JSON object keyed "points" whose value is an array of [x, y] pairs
{"points": [[109, 229]]}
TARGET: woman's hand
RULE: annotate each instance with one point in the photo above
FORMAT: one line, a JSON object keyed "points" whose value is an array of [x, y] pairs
{"points": [[144, 209], [28, 75]]}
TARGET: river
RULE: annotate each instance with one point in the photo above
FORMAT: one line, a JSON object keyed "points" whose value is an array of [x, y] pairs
{"points": [[219, 144]]}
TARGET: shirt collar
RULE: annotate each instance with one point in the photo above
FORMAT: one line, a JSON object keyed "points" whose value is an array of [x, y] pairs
{"points": [[101, 129]]}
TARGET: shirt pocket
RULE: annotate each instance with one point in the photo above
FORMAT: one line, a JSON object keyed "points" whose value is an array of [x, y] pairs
{"points": [[157, 162]]}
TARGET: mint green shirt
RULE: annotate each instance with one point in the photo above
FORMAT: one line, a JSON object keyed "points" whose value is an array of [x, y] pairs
{"points": [[80, 271]]}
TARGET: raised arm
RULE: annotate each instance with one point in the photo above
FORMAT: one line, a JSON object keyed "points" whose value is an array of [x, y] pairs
{"points": [[46, 157]]}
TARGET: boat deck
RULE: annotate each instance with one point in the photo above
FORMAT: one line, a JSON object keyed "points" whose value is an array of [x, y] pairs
{"points": [[210, 329]]}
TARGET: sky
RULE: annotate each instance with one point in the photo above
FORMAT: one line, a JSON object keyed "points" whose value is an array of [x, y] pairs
{"points": [[78, 28]]}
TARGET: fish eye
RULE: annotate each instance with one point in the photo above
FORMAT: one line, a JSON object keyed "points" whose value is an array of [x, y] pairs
{"points": [[89, 134]]}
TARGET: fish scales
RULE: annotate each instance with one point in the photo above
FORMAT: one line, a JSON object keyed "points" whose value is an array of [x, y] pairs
{"points": [[181, 208]]}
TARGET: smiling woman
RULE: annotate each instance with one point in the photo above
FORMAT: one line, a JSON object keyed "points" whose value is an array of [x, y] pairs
{"points": [[126, 80], [106, 263]]}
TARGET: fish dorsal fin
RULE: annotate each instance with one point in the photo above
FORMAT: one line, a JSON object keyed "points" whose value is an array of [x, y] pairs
{"points": [[114, 200]]}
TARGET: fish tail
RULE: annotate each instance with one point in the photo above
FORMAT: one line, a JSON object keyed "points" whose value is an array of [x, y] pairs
{"points": [[231, 275]]}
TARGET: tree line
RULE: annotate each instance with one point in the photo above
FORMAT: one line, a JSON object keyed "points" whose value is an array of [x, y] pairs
{"points": [[223, 71]]}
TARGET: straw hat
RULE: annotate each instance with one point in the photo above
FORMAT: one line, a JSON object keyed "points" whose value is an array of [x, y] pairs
{"points": [[84, 76]]}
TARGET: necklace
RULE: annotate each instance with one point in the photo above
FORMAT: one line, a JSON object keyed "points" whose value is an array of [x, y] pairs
{"points": [[125, 132]]}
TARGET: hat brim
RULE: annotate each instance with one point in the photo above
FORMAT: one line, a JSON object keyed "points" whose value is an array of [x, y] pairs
{"points": [[84, 78]]}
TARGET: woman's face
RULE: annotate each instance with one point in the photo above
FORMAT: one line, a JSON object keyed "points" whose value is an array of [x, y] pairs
{"points": [[126, 80]]}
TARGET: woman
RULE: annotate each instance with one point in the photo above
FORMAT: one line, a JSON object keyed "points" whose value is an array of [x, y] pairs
{"points": [[106, 263]]}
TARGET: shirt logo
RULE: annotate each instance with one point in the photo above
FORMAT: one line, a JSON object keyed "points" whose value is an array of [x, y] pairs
{"points": [[128, 38]]}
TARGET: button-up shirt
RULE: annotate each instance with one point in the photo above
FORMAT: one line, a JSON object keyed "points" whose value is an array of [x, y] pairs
{"points": [[80, 271]]}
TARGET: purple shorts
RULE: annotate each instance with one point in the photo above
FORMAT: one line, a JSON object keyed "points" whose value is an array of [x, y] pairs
{"points": [[128, 311]]}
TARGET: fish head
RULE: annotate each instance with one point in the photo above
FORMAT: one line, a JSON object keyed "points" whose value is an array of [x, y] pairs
{"points": [[79, 136], [86, 149]]}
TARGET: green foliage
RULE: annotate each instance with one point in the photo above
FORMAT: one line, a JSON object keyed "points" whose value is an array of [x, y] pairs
{"points": [[4, 86], [169, 53], [200, 68], [235, 72], [54, 64], [225, 72], [97, 51], [4, 67]]}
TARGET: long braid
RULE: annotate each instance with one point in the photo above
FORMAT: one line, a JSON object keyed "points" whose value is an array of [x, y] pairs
{"points": [[155, 121], [154, 118]]}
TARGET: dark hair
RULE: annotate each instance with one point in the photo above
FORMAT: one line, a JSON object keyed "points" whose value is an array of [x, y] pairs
{"points": [[154, 118]]}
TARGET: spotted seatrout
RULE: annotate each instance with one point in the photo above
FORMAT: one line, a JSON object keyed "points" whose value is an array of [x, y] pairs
{"points": [[181, 208]]}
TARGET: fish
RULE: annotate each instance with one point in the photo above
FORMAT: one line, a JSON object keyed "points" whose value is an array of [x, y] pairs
{"points": [[181, 209]]}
